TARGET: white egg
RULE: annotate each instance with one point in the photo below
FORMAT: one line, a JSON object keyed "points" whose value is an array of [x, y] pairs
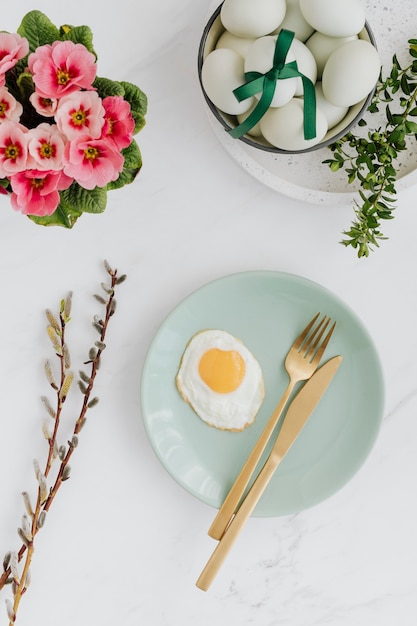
{"points": [[295, 21], [306, 64], [322, 46], [333, 114], [221, 73], [221, 380], [259, 58], [255, 131], [351, 73], [232, 42], [284, 127], [336, 18], [247, 18]]}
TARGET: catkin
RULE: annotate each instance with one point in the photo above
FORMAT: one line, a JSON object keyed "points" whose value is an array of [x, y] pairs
{"points": [[66, 386], [54, 339]]}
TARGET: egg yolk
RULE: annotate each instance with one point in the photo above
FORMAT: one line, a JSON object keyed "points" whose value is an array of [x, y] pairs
{"points": [[222, 370]]}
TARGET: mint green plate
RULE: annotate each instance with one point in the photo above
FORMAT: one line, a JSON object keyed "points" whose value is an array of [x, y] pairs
{"points": [[266, 310]]}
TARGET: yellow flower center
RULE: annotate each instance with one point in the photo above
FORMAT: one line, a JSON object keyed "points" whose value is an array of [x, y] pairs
{"points": [[3, 108], [12, 152], [37, 183], [79, 117], [91, 153], [46, 150], [62, 76]]}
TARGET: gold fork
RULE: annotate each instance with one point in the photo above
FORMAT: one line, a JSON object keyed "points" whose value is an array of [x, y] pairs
{"points": [[301, 362]]}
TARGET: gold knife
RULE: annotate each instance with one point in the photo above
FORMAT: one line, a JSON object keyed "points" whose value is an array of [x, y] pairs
{"points": [[297, 415]]}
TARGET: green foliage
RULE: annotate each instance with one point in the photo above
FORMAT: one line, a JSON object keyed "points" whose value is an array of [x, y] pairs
{"points": [[138, 103], [87, 200], [372, 160], [62, 216], [130, 92], [78, 34], [74, 201], [38, 30], [131, 167], [5, 184], [106, 87]]}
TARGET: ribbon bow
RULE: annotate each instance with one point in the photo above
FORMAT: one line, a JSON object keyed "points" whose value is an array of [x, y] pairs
{"points": [[267, 83]]}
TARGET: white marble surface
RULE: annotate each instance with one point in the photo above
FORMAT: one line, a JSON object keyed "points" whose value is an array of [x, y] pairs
{"points": [[123, 542]]}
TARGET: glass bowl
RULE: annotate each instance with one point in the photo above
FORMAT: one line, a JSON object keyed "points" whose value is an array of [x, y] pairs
{"points": [[211, 34]]}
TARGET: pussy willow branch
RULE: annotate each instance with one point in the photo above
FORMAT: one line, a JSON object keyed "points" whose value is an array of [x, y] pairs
{"points": [[44, 499]]}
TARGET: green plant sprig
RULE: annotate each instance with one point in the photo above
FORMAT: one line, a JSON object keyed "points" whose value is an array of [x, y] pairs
{"points": [[371, 159], [16, 564]]}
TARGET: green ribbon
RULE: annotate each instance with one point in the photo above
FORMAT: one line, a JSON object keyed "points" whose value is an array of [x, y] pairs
{"points": [[267, 83]]}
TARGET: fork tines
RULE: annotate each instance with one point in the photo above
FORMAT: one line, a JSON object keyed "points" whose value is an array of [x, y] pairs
{"points": [[309, 342]]}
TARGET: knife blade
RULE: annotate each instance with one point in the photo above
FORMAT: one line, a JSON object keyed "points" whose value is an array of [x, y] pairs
{"points": [[304, 404], [296, 417]]}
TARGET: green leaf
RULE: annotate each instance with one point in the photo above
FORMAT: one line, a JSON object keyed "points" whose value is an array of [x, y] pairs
{"points": [[390, 172], [25, 85], [404, 85], [395, 62], [107, 87], [397, 118], [388, 114], [131, 167], [78, 34], [38, 30], [76, 199], [372, 222], [394, 72], [63, 216], [5, 183], [138, 103], [410, 127], [336, 165], [130, 92], [396, 135]]}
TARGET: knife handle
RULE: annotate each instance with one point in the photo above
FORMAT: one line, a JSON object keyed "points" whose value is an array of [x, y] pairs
{"points": [[237, 490], [238, 521]]}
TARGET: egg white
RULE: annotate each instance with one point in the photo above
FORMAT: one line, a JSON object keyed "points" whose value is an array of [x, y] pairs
{"points": [[227, 411]]}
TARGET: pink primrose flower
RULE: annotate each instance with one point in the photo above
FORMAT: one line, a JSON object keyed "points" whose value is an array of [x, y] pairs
{"points": [[45, 147], [62, 68], [120, 125], [92, 162], [13, 47], [37, 193], [10, 108], [80, 113], [13, 148], [44, 106]]}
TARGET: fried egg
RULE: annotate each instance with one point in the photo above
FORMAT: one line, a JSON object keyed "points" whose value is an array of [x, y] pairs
{"points": [[221, 380]]}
